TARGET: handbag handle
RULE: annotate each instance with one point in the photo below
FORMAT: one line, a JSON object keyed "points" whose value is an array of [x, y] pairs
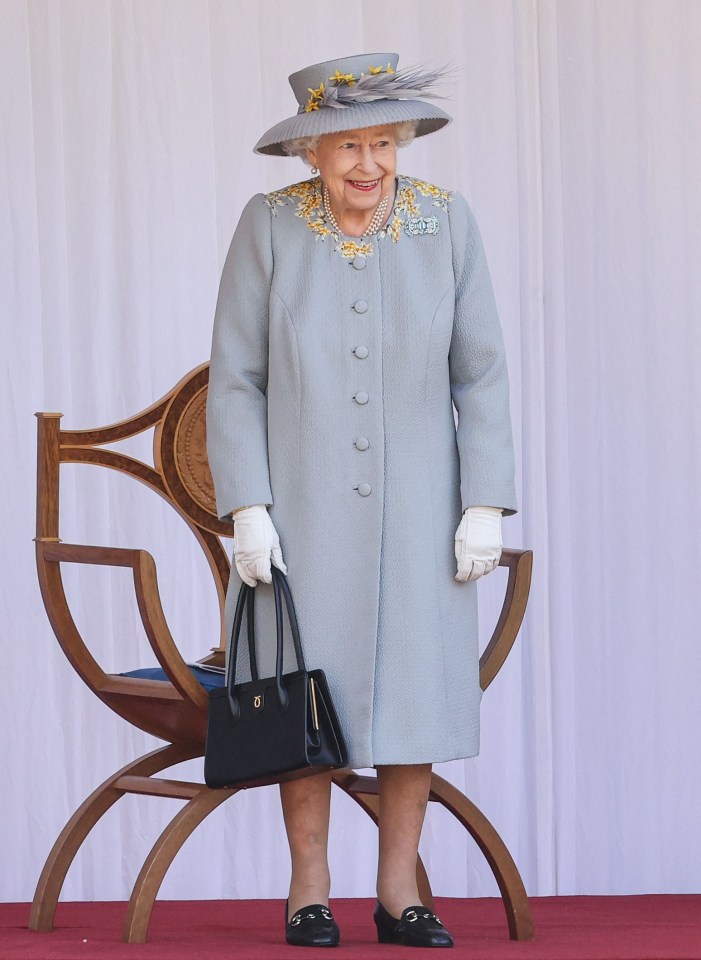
{"points": [[284, 588], [241, 602], [281, 588], [248, 600]]}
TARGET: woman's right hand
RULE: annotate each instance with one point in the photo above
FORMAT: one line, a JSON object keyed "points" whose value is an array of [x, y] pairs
{"points": [[256, 541]]}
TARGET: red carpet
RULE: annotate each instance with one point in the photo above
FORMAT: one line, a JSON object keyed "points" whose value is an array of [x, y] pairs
{"points": [[567, 928]]}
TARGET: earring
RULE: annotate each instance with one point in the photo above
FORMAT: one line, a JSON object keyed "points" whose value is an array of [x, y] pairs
{"points": [[314, 171]]}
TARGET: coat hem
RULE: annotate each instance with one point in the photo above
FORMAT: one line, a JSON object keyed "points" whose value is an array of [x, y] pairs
{"points": [[414, 759]]}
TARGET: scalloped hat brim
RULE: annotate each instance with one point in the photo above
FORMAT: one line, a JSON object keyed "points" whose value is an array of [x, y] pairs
{"points": [[357, 116]]}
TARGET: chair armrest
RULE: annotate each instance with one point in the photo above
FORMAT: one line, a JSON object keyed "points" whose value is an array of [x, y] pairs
{"points": [[51, 554], [520, 564]]}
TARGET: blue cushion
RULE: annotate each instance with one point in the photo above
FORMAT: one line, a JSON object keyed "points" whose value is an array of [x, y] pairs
{"points": [[209, 680]]}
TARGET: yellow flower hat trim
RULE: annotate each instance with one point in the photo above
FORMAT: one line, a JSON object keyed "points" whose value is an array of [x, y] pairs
{"points": [[339, 78], [316, 94]]}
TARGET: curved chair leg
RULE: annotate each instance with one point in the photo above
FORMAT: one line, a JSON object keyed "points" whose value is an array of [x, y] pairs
{"points": [[81, 823], [364, 791], [160, 858], [513, 893]]}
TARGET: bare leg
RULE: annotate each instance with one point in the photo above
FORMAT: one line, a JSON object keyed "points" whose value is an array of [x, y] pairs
{"points": [[403, 798], [305, 807]]}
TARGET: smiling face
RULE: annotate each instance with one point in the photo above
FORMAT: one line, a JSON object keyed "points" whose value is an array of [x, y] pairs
{"points": [[358, 168]]}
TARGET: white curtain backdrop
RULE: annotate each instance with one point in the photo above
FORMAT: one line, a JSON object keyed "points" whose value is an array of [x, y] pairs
{"points": [[127, 128]]}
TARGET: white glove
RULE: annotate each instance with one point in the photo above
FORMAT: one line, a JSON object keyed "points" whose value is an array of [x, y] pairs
{"points": [[255, 541], [478, 542]]}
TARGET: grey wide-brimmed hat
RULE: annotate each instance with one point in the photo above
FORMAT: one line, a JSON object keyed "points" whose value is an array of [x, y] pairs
{"points": [[350, 93]]}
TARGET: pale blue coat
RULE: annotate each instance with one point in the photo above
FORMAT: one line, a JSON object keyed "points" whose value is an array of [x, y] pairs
{"points": [[334, 363]]}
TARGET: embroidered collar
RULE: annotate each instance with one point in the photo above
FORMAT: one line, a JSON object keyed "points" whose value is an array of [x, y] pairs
{"points": [[407, 214]]}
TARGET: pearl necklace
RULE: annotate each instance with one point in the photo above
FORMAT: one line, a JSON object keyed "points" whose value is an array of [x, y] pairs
{"points": [[374, 225]]}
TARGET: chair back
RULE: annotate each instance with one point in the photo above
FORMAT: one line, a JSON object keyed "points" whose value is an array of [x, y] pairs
{"points": [[174, 710]]}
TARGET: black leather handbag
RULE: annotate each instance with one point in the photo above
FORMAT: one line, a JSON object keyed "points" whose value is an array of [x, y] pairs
{"points": [[259, 730]]}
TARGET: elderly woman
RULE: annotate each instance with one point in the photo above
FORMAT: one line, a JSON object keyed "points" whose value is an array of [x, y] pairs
{"points": [[355, 309]]}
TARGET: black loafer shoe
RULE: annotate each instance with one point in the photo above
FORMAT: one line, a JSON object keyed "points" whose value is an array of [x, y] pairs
{"points": [[312, 926], [417, 927]]}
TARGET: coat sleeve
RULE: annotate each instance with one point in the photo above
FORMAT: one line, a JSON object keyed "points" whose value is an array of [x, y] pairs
{"points": [[478, 376], [237, 406]]}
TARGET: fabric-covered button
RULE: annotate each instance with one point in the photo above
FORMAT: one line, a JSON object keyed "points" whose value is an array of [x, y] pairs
{"points": [[361, 351], [361, 443], [364, 489], [359, 262], [361, 397], [360, 306]]}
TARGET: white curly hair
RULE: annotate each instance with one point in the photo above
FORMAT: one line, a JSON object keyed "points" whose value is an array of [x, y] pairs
{"points": [[404, 133]]}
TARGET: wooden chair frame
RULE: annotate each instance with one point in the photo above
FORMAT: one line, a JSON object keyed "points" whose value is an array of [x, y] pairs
{"points": [[176, 711]]}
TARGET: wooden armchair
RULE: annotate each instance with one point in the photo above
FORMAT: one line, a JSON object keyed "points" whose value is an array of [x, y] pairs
{"points": [[175, 710]]}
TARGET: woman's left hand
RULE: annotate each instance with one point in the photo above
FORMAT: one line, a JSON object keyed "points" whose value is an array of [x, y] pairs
{"points": [[478, 542]]}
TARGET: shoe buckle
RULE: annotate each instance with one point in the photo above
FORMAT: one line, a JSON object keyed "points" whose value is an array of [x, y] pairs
{"points": [[298, 917], [412, 916]]}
